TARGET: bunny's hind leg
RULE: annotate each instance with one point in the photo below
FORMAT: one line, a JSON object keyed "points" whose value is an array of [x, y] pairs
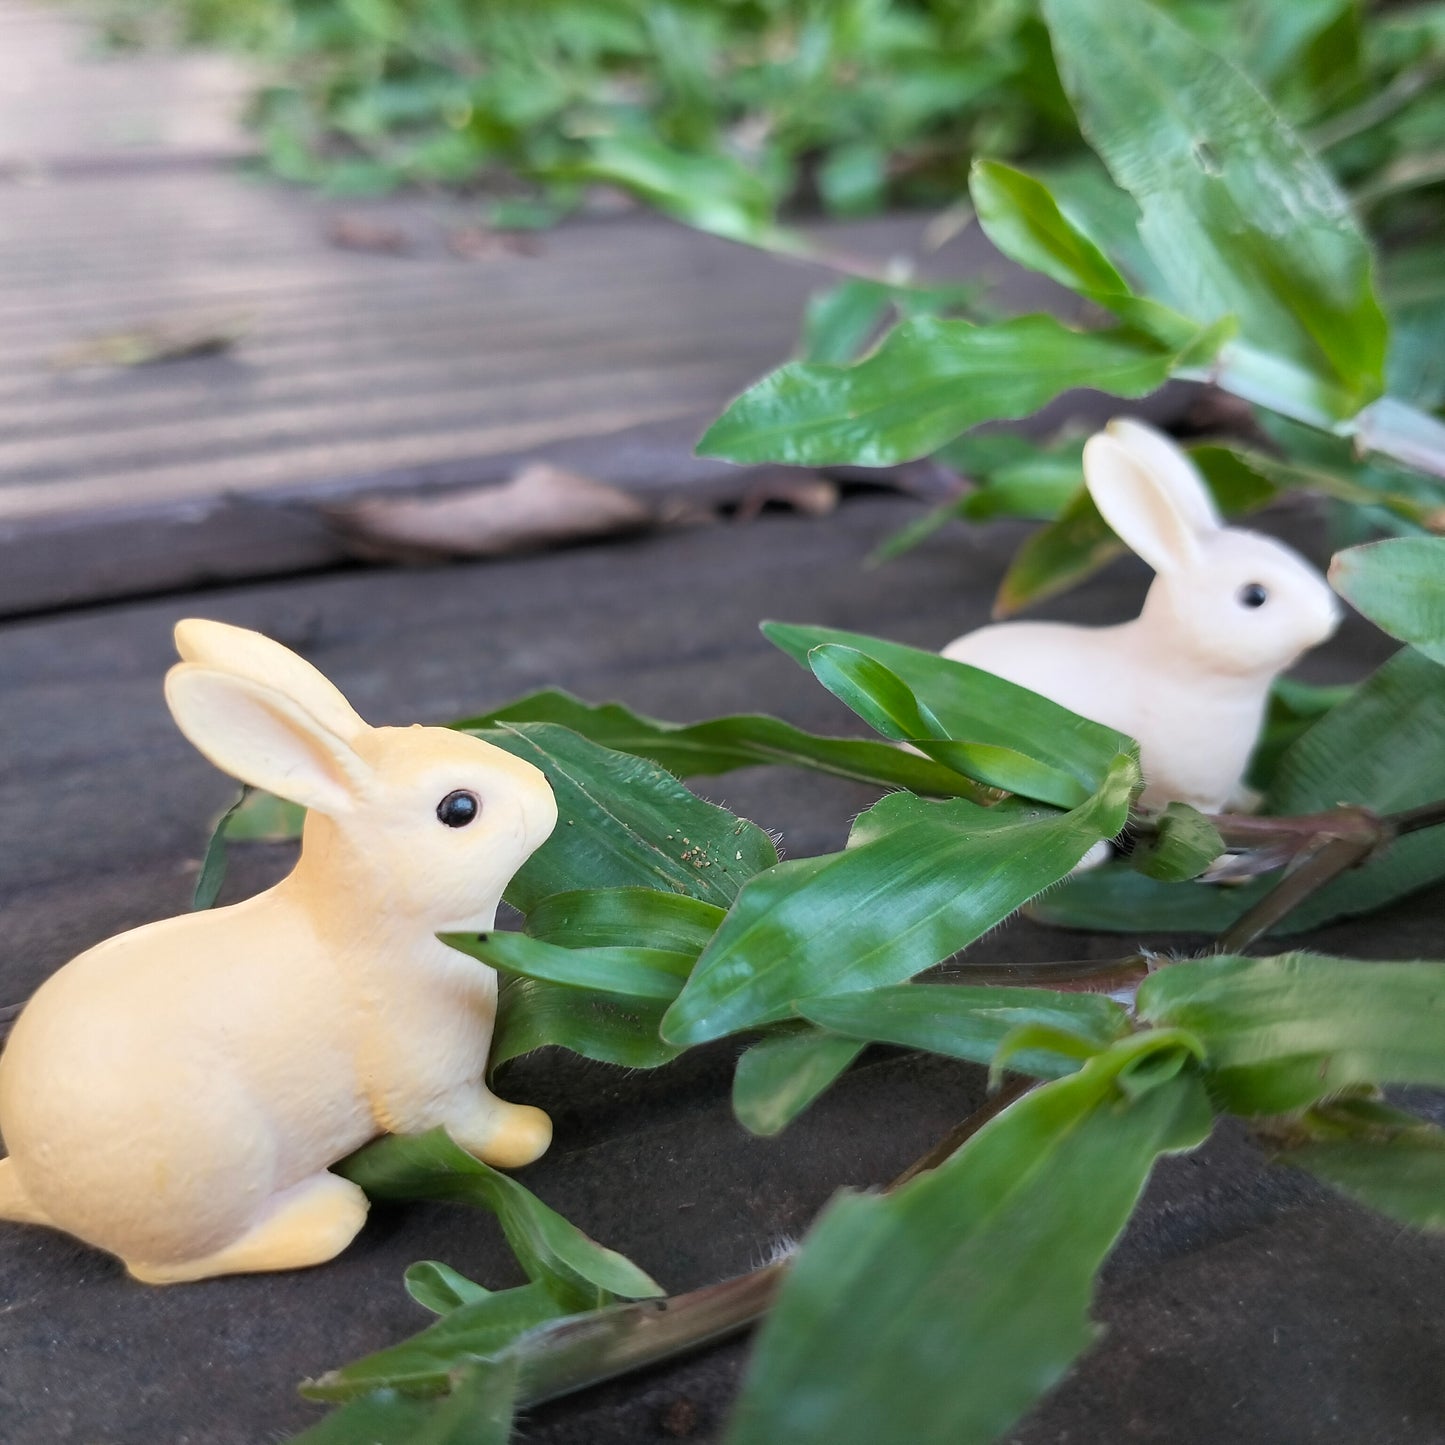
{"points": [[496, 1132], [309, 1223]]}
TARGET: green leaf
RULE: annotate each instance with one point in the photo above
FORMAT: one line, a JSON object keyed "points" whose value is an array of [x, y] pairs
{"points": [[1061, 555], [964, 1021], [887, 704], [478, 1411], [1399, 584], [213, 864], [1021, 217], [1294, 707], [778, 1077], [623, 822], [939, 1313], [424, 1364], [1383, 1157], [708, 190], [260, 817], [918, 882], [577, 1271], [607, 917], [928, 381], [839, 321], [975, 705], [1182, 846], [1281, 1033], [722, 744], [607, 1027], [1237, 214], [1404, 1178], [1380, 747], [853, 180], [640, 973], [439, 1288]]}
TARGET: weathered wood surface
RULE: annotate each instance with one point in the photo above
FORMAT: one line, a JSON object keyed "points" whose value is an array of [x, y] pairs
{"points": [[608, 351], [1244, 1305]]}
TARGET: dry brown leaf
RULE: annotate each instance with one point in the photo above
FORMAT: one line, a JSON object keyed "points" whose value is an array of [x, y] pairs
{"points": [[482, 243], [541, 506], [804, 492], [164, 339], [356, 233]]}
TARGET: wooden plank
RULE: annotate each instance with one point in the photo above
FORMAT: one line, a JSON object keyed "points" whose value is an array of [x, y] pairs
{"points": [[103, 813]]}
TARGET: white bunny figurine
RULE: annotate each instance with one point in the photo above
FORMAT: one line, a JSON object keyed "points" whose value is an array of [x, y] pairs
{"points": [[176, 1094], [1189, 677]]}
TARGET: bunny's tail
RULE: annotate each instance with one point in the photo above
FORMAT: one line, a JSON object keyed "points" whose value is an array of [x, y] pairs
{"points": [[15, 1203]]}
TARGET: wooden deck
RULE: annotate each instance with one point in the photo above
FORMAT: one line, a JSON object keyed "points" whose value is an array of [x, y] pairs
{"points": [[1245, 1304]]}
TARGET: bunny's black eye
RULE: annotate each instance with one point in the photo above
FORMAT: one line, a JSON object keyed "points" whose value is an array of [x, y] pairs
{"points": [[1252, 594], [458, 809]]}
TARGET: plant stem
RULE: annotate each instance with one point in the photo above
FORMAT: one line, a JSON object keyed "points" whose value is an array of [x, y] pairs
{"points": [[575, 1353], [1317, 866], [1068, 975], [1377, 108], [571, 1354], [1328, 844]]}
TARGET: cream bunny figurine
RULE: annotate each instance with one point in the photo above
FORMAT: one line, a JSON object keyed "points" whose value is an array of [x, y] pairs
{"points": [[1189, 677], [176, 1094]]}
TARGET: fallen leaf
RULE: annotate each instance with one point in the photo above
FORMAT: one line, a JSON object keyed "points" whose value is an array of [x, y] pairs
{"points": [[804, 492], [356, 233], [165, 339], [541, 506], [482, 243]]}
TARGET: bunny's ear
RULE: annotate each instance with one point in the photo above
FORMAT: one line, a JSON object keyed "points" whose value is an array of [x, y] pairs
{"points": [[1171, 469], [1143, 513], [263, 737], [252, 655]]}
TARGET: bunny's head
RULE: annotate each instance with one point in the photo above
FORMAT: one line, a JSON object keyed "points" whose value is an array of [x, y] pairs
{"points": [[1227, 601], [422, 822]]}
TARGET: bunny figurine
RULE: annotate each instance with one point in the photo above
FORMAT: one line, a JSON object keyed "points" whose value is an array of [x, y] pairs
{"points": [[176, 1094], [1189, 677]]}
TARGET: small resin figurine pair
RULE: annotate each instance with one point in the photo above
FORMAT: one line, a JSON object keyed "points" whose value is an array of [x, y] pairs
{"points": [[177, 1094]]}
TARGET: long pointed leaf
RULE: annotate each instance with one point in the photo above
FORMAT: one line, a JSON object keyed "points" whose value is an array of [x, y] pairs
{"points": [[936, 1315], [721, 744], [918, 882], [928, 381], [975, 705], [1281, 1033], [1238, 215]]}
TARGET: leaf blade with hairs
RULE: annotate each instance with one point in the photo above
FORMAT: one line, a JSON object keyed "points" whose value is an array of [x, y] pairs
{"points": [[576, 1270], [972, 704], [779, 1076], [962, 1021], [624, 822], [996, 1249], [1282, 1033], [918, 882], [722, 744]]}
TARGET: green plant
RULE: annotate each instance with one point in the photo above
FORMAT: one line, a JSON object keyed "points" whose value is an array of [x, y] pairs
{"points": [[1223, 248], [655, 922]]}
